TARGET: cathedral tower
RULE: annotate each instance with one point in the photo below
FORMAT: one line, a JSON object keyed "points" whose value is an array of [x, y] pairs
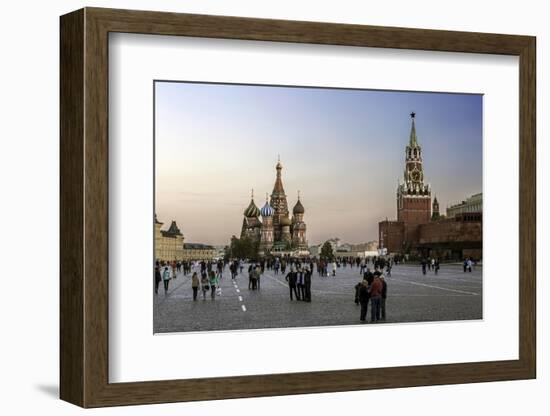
{"points": [[266, 234], [413, 195], [279, 203], [251, 223], [435, 210], [298, 225]]}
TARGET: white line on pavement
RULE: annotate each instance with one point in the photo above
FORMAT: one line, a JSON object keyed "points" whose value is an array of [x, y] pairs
{"points": [[241, 298], [437, 287], [277, 280], [244, 308], [238, 291]]}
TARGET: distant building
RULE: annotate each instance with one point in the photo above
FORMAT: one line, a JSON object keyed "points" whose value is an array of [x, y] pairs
{"points": [[341, 249], [419, 228], [368, 246], [198, 251], [471, 204], [169, 243]]}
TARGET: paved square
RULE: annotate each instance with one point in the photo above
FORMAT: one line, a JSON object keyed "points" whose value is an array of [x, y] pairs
{"points": [[412, 297]]}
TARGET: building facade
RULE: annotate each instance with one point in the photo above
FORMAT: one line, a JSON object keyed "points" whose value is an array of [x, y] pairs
{"points": [[169, 243], [419, 228], [341, 249], [198, 252], [276, 232], [472, 204]]}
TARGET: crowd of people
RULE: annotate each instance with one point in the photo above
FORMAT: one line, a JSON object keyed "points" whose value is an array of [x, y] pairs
{"points": [[430, 264], [374, 289], [206, 277]]}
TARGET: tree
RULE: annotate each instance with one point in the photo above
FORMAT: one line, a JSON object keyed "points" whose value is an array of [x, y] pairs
{"points": [[243, 248], [326, 252]]}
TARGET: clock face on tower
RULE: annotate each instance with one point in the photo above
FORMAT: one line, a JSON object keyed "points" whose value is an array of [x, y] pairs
{"points": [[416, 176]]}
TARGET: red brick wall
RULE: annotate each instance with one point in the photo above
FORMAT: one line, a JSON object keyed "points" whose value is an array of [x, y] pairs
{"points": [[391, 234], [450, 231], [415, 210]]}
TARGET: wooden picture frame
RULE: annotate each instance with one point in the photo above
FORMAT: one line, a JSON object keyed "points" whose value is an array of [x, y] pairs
{"points": [[84, 207]]}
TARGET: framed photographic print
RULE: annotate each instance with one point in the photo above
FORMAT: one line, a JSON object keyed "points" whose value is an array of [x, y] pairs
{"points": [[291, 207]]}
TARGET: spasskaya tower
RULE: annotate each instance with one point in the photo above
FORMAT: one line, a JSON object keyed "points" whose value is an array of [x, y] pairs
{"points": [[414, 197]]}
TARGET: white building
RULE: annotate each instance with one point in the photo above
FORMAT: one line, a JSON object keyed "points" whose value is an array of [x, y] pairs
{"points": [[472, 204]]}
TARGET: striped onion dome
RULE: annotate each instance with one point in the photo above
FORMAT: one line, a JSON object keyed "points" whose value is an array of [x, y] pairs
{"points": [[267, 210], [252, 211]]}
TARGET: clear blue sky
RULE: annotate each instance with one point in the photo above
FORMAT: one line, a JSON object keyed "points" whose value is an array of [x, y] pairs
{"points": [[343, 149]]}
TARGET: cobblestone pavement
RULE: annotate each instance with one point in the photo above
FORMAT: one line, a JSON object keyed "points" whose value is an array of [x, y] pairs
{"points": [[412, 297]]}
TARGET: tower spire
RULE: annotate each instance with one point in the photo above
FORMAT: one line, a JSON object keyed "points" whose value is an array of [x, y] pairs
{"points": [[413, 142], [278, 188]]}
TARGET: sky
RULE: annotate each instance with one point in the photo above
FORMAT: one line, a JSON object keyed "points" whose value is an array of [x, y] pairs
{"points": [[343, 149]]}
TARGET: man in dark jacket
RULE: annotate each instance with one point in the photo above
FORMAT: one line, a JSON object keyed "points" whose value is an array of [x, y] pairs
{"points": [[307, 283], [291, 278], [364, 299]]}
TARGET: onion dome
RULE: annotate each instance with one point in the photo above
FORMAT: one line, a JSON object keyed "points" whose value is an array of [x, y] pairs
{"points": [[267, 210], [285, 221], [252, 211], [298, 208]]}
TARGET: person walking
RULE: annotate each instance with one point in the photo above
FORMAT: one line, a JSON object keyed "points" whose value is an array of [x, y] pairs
{"points": [[364, 299], [375, 297], [166, 275], [423, 263], [334, 268], [383, 296], [291, 279], [254, 275], [436, 266], [357, 287], [173, 269], [205, 287], [213, 281], [259, 272], [158, 278], [307, 284], [300, 284], [195, 285]]}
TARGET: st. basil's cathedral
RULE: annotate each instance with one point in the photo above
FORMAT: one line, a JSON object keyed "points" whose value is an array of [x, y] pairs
{"points": [[276, 231]]}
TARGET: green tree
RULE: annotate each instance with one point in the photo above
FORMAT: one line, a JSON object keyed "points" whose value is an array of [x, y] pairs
{"points": [[326, 252], [243, 248]]}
